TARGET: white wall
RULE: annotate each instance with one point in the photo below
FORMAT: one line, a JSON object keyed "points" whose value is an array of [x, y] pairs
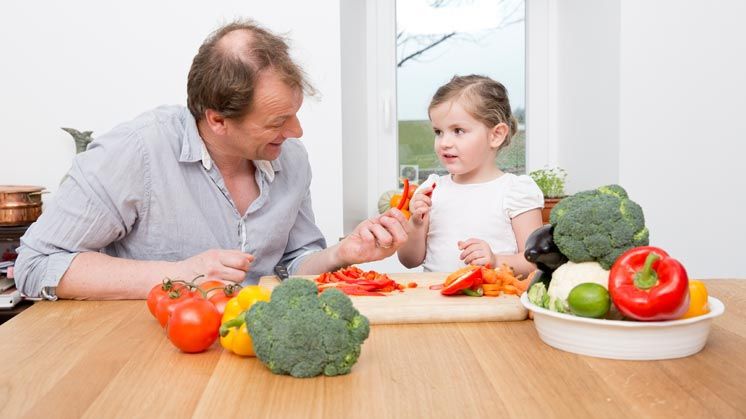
{"points": [[91, 65], [682, 141], [651, 95], [588, 92]]}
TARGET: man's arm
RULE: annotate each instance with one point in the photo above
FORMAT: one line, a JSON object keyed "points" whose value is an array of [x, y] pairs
{"points": [[98, 203], [373, 239], [133, 279]]}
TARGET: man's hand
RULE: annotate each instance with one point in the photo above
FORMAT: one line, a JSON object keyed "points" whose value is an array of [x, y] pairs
{"points": [[220, 264], [374, 239], [420, 205], [476, 252]]}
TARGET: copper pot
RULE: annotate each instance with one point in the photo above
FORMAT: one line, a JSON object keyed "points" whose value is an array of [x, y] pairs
{"points": [[19, 204]]}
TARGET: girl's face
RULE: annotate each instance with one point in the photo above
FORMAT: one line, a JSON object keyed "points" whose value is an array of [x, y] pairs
{"points": [[465, 146]]}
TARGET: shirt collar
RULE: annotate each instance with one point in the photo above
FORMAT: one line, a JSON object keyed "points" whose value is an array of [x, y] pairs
{"points": [[193, 149]]}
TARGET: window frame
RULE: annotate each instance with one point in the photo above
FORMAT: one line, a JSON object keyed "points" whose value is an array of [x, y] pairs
{"points": [[381, 140]]}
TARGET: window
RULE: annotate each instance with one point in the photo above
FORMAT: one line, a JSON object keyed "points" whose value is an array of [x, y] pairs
{"points": [[437, 39]]}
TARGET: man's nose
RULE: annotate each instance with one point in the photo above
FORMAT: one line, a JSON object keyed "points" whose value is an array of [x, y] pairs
{"points": [[293, 128]]}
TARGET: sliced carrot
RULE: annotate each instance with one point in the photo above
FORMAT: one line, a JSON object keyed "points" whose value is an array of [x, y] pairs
{"points": [[489, 276], [522, 285], [509, 289], [491, 287]]}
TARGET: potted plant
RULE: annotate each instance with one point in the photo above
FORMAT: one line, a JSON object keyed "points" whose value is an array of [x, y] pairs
{"points": [[551, 181]]}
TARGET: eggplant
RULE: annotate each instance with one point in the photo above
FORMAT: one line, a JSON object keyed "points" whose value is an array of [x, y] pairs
{"points": [[542, 251]]}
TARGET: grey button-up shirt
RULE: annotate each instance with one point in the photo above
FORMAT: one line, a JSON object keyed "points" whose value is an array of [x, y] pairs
{"points": [[148, 190]]}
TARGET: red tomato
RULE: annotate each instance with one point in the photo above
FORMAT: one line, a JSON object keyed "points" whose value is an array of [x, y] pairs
{"points": [[159, 292], [220, 298], [166, 305], [211, 285], [193, 325], [156, 294]]}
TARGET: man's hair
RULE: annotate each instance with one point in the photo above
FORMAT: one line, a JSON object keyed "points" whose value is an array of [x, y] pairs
{"points": [[223, 77]]}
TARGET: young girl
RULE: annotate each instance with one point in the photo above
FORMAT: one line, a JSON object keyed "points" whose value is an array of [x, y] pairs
{"points": [[477, 214]]}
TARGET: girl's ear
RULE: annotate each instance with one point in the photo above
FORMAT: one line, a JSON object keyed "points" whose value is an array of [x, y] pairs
{"points": [[498, 134]]}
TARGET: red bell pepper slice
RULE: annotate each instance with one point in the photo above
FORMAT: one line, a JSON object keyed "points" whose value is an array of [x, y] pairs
{"points": [[646, 284], [404, 195], [466, 280]]}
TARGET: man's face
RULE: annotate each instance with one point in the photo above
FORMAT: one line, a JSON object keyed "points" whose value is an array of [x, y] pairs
{"points": [[259, 135]]}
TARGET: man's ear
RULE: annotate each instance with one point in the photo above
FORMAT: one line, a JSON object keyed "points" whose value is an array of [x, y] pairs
{"points": [[215, 121], [498, 134]]}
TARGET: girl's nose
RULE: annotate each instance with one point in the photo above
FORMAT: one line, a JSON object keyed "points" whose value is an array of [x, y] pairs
{"points": [[445, 141]]}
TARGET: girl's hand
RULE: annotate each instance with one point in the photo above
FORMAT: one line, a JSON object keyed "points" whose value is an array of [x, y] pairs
{"points": [[420, 205], [476, 252]]}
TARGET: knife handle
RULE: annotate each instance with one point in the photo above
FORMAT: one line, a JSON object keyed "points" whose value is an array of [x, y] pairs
{"points": [[281, 272]]}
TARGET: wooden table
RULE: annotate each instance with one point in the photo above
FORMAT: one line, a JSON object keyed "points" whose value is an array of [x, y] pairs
{"points": [[111, 359]]}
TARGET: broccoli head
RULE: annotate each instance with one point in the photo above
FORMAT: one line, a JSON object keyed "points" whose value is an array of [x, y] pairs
{"points": [[598, 225], [302, 333]]}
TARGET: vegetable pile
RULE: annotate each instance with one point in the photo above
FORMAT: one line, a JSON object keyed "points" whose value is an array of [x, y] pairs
{"points": [[354, 281], [594, 261], [190, 313], [294, 330], [478, 281], [304, 334]]}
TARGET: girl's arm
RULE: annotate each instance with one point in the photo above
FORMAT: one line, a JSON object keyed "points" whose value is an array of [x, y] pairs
{"points": [[523, 225], [412, 252]]}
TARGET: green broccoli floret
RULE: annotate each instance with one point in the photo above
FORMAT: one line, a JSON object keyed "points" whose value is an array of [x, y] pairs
{"points": [[303, 333], [598, 225]]}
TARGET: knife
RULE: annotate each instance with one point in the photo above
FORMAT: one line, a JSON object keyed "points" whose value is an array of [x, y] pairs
{"points": [[281, 272]]}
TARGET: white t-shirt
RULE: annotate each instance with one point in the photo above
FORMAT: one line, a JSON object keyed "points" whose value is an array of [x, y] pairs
{"points": [[481, 211]]}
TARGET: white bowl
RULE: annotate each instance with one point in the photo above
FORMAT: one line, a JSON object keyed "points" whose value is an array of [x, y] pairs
{"points": [[631, 340]]}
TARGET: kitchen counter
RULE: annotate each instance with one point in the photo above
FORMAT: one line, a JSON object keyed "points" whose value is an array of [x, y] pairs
{"points": [[111, 359]]}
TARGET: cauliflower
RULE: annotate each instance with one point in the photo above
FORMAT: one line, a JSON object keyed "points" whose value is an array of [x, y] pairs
{"points": [[567, 276]]}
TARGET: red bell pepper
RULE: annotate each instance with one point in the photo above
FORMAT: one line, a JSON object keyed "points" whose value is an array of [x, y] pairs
{"points": [[646, 284], [404, 195], [467, 280]]}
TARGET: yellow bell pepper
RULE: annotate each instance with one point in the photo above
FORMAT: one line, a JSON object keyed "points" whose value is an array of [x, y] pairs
{"points": [[697, 300], [233, 333]]}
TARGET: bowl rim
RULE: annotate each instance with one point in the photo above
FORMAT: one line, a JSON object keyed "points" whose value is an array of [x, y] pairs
{"points": [[717, 308]]}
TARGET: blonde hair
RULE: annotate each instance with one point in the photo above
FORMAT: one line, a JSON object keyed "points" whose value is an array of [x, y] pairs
{"points": [[486, 100]]}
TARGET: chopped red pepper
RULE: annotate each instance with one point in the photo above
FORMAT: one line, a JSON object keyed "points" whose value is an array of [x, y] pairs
{"points": [[404, 195], [430, 193], [466, 280], [646, 284]]}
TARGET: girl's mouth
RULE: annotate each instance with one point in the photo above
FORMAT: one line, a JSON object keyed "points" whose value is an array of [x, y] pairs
{"points": [[449, 156]]}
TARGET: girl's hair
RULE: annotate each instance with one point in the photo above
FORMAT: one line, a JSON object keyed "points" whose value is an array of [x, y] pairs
{"points": [[486, 100]]}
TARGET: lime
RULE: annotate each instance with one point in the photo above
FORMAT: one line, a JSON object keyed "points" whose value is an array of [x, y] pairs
{"points": [[589, 300]]}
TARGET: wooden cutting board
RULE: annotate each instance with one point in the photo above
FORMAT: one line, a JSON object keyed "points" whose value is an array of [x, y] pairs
{"points": [[423, 305]]}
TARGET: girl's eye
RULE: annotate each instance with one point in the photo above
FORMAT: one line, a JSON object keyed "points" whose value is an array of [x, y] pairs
{"points": [[437, 132], [458, 131]]}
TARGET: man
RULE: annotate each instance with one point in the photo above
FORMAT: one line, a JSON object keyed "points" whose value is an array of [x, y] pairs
{"points": [[220, 189]]}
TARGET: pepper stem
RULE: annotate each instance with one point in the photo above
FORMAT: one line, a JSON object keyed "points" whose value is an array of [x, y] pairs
{"points": [[236, 322], [647, 277]]}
